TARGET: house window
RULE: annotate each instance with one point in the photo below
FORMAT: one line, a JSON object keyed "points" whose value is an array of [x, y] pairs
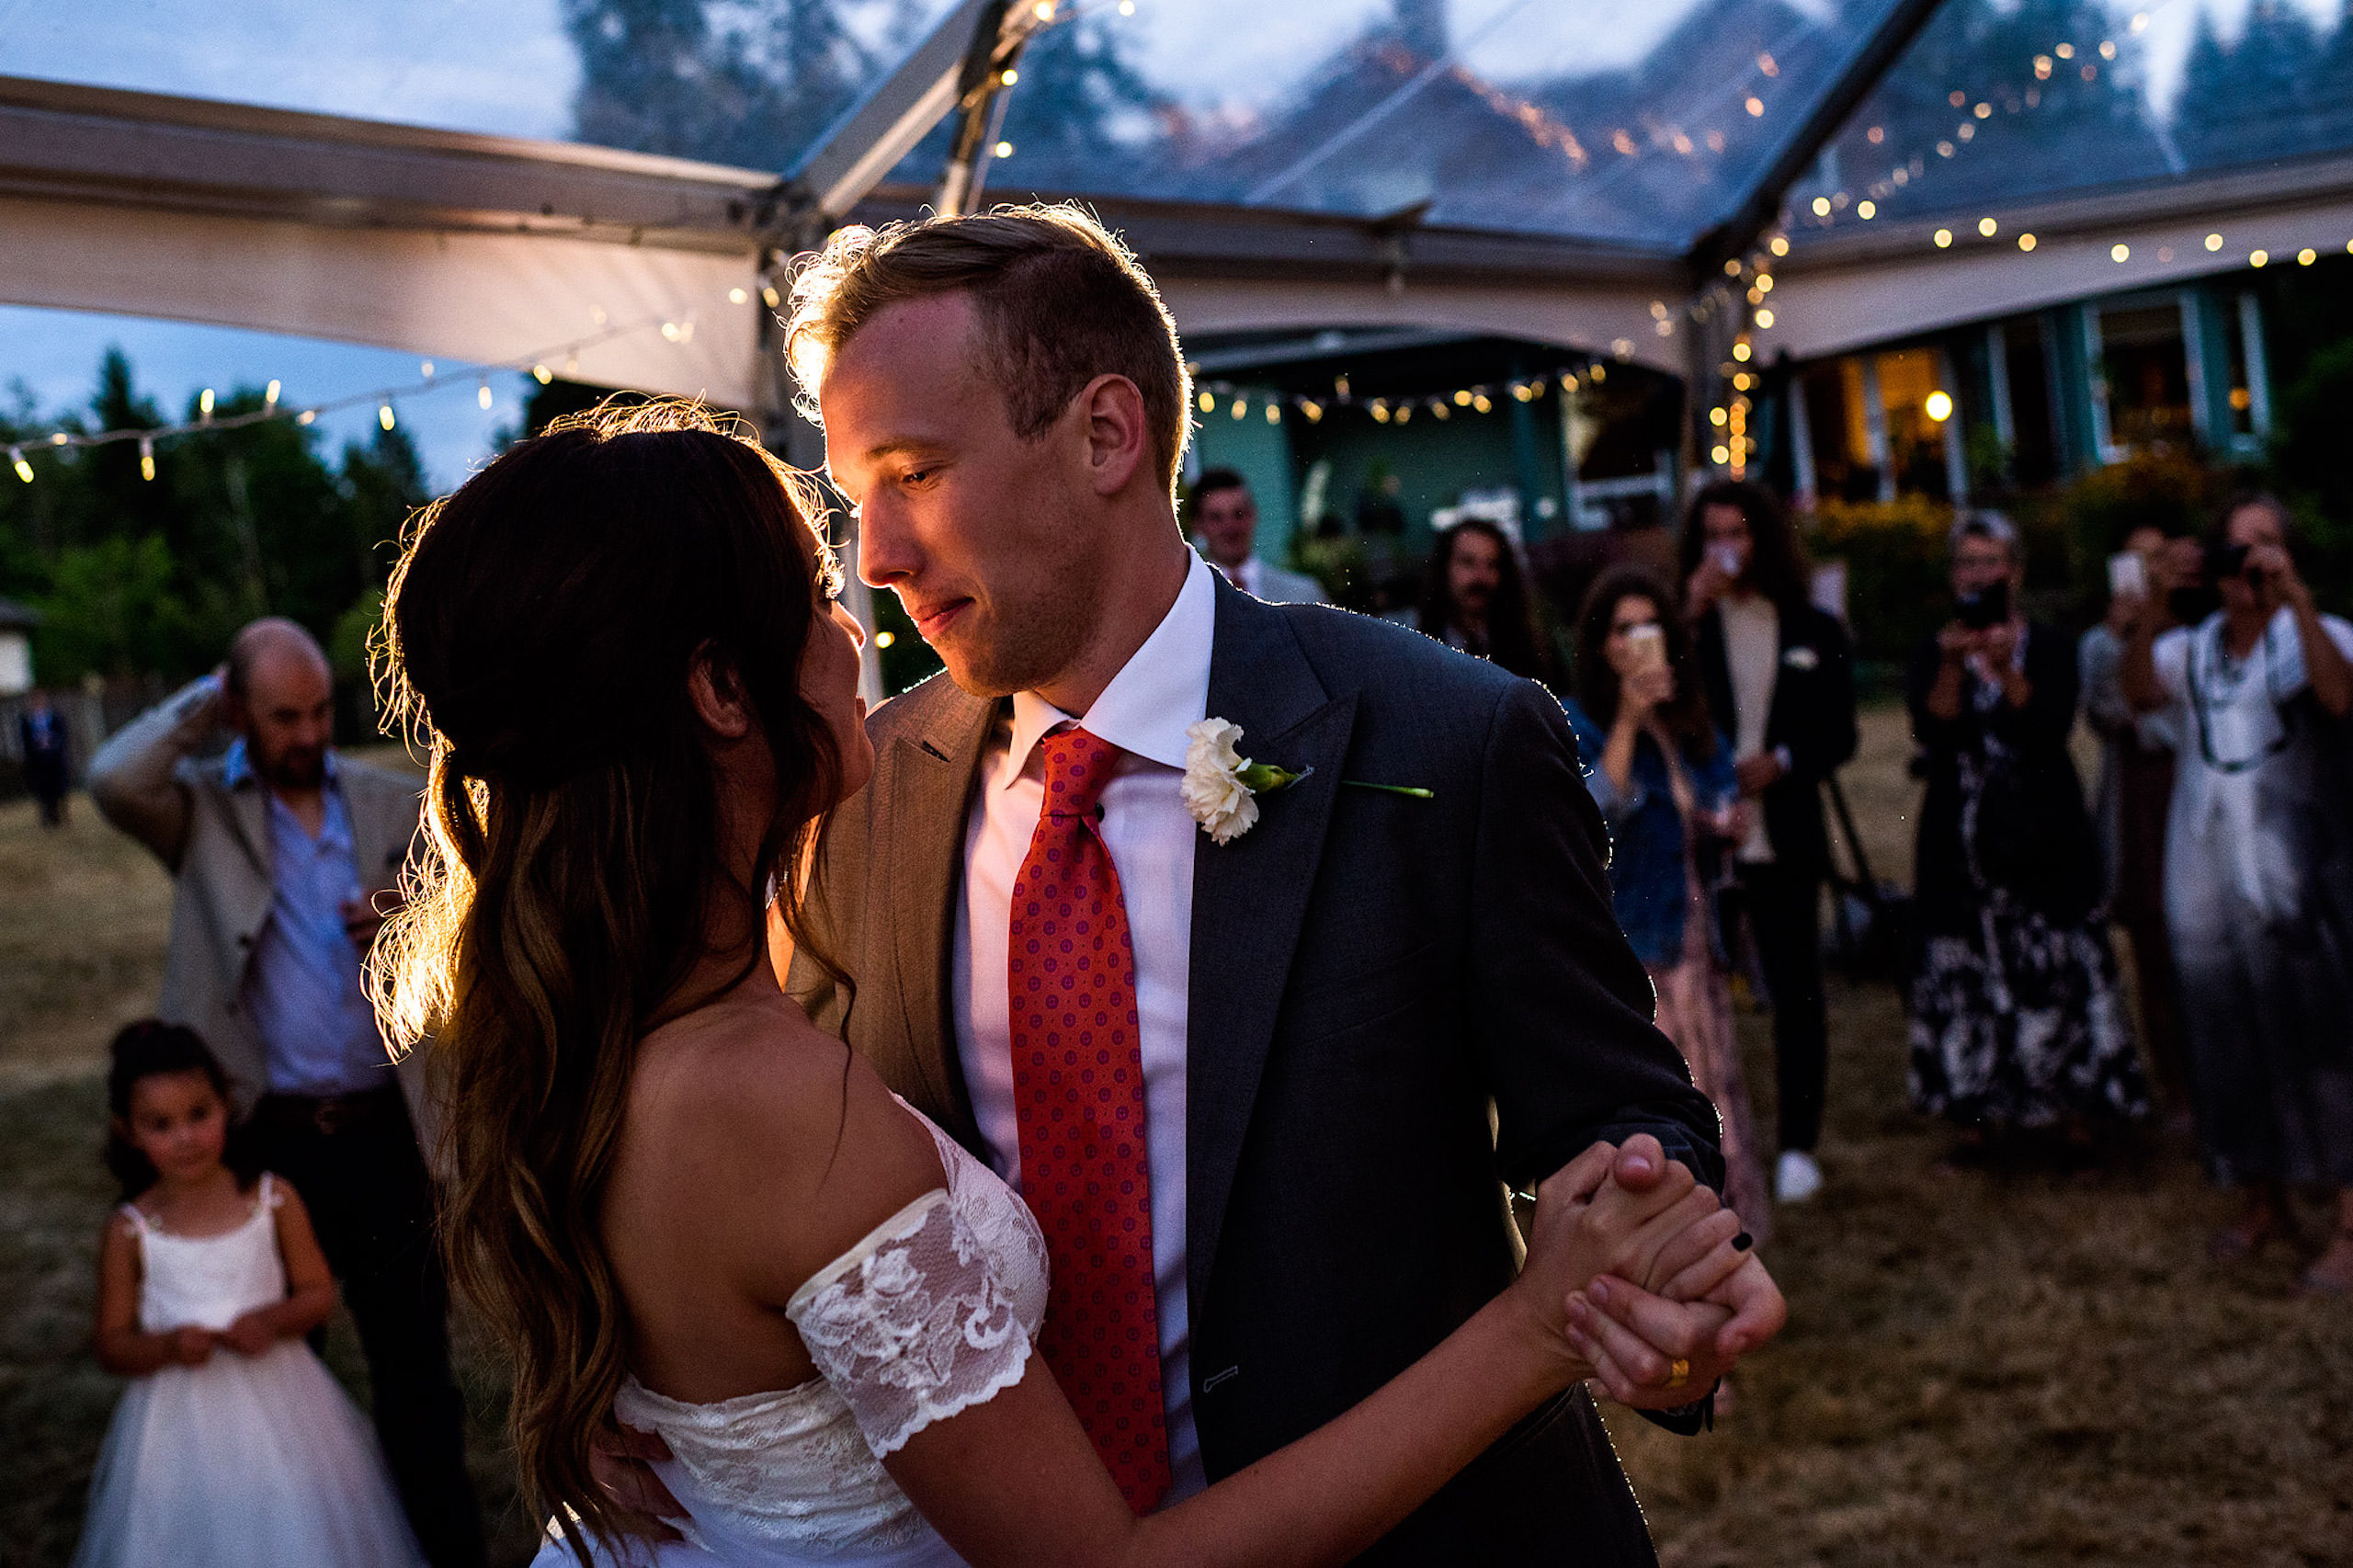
{"points": [[2141, 379]]}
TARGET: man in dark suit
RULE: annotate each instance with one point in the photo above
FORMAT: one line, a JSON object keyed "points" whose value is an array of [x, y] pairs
{"points": [[1363, 1013], [1781, 679]]}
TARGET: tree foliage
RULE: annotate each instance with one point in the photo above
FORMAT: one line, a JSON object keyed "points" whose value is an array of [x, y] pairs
{"points": [[135, 576]]}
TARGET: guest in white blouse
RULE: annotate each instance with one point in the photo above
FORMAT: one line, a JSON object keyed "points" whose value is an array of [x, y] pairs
{"points": [[2259, 872]]}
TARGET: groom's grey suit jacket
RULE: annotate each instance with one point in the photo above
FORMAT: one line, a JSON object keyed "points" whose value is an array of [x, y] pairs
{"points": [[1373, 977]]}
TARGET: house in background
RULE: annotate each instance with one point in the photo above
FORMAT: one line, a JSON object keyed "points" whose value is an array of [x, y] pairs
{"points": [[16, 623]]}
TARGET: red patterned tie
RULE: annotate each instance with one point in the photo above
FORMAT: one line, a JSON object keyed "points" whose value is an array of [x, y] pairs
{"points": [[1078, 1092]]}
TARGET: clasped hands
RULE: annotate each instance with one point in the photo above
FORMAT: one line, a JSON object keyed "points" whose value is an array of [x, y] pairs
{"points": [[191, 1345], [1645, 1275]]}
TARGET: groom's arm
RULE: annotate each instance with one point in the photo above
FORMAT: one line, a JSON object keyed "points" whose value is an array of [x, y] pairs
{"points": [[1572, 1053]]}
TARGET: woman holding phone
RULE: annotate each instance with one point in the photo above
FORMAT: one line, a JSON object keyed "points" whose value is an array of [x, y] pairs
{"points": [[1663, 775], [2015, 1016]]}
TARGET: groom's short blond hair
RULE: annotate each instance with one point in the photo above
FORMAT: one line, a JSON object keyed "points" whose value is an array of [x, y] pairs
{"points": [[1058, 297]]}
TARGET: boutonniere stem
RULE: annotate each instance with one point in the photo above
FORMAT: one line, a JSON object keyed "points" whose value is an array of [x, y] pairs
{"points": [[1415, 790]]}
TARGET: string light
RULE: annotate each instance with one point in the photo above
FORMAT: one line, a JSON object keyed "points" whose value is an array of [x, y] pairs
{"points": [[1943, 238], [2306, 256], [1274, 414], [2259, 258], [1208, 400], [2120, 253], [209, 416], [2026, 241], [1765, 318], [737, 296], [770, 297], [1988, 227]]}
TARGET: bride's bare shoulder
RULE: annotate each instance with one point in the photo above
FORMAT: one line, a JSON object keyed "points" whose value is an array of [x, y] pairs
{"points": [[756, 1107]]}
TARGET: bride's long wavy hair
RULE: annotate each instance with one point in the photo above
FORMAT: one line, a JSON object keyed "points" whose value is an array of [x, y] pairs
{"points": [[537, 636]]}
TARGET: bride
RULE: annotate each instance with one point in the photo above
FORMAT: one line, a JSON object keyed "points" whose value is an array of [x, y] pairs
{"points": [[676, 1200]]}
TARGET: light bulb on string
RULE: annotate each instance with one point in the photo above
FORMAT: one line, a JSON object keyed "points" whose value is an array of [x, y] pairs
{"points": [[17, 461], [385, 416], [309, 416], [1208, 403], [482, 395], [572, 364], [543, 374], [269, 396], [769, 295], [204, 404], [58, 438], [147, 457], [1241, 408], [1274, 414], [425, 370]]}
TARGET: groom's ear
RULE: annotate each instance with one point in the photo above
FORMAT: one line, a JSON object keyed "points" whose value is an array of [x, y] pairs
{"points": [[1118, 434]]}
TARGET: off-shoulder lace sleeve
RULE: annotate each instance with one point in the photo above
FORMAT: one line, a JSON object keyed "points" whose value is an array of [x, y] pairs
{"points": [[913, 1325]]}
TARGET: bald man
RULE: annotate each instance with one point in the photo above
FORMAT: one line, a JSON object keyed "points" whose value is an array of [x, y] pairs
{"points": [[278, 851]]}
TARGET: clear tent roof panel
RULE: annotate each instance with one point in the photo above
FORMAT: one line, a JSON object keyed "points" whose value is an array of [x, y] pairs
{"points": [[753, 83], [1995, 104], [1586, 119]]}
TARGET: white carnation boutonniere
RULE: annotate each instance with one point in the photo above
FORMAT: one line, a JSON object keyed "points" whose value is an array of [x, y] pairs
{"points": [[1221, 786]]}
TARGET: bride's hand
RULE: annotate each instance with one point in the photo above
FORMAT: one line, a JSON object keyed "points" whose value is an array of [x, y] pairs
{"points": [[620, 1460], [1589, 1221]]}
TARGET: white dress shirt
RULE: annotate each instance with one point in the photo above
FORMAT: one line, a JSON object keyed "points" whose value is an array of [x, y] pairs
{"points": [[1144, 712], [1752, 656]]}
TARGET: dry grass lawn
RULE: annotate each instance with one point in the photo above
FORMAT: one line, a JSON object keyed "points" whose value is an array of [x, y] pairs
{"points": [[2020, 1366]]}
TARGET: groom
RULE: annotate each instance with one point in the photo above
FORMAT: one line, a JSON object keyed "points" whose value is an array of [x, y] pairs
{"points": [[1343, 1032]]}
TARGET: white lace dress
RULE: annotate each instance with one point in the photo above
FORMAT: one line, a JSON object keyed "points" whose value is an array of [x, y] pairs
{"points": [[242, 1462], [934, 1311]]}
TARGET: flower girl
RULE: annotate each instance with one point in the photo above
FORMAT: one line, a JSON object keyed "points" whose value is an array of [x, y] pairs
{"points": [[234, 1446]]}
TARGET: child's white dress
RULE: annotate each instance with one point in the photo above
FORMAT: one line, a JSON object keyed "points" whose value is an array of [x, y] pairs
{"points": [[242, 1464]]}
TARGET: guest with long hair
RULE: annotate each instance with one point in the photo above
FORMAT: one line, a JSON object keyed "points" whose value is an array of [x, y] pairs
{"points": [[1662, 774], [1475, 598]]}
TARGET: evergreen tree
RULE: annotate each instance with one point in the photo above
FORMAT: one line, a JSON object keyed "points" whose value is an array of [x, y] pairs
{"points": [[2253, 99]]}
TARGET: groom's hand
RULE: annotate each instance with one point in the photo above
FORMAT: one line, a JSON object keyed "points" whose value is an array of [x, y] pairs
{"points": [[620, 1460], [1635, 1339]]}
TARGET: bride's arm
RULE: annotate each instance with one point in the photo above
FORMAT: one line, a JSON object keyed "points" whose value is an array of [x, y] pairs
{"points": [[1015, 1481]]}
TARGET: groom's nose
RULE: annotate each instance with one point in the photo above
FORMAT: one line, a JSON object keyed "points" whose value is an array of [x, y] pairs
{"points": [[886, 552]]}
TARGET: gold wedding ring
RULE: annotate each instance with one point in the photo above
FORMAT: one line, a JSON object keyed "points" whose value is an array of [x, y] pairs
{"points": [[1678, 1373]]}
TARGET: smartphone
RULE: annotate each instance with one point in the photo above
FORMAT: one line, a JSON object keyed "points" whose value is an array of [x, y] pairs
{"points": [[2128, 575], [1645, 649]]}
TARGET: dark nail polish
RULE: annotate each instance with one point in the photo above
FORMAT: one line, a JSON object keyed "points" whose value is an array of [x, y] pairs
{"points": [[1743, 1241]]}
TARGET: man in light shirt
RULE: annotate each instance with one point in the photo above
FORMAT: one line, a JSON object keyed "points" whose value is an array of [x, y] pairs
{"points": [[1225, 529]]}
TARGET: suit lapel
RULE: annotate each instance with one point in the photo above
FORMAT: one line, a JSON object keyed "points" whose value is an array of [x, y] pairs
{"points": [[933, 775], [249, 812], [1249, 898]]}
